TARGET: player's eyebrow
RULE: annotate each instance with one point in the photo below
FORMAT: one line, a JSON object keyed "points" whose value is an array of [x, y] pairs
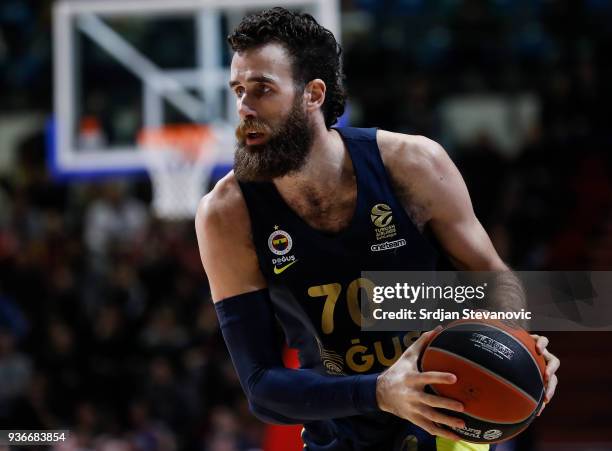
{"points": [[259, 78]]}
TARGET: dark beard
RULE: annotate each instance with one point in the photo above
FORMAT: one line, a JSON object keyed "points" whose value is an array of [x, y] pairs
{"points": [[285, 151]]}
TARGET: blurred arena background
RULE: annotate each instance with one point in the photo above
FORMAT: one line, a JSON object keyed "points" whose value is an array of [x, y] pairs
{"points": [[106, 327]]}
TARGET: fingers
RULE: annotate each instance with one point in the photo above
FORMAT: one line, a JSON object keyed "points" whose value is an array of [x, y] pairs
{"points": [[434, 429], [441, 402], [439, 417], [419, 344], [541, 343], [550, 392], [552, 364], [550, 388], [433, 377]]}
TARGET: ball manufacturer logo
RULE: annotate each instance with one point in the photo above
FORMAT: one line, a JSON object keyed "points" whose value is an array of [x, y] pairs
{"points": [[381, 215], [492, 434], [469, 432], [280, 242], [493, 346]]}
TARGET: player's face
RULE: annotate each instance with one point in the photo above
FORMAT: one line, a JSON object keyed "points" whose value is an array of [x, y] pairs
{"points": [[274, 134]]}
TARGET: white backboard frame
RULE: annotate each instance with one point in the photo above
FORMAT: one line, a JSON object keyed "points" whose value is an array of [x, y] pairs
{"points": [[86, 16]]}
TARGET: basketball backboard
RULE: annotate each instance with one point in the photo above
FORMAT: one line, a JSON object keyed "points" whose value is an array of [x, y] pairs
{"points": [[122, 66]]}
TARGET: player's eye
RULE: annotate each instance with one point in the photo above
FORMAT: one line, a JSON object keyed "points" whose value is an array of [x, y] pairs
{"points": [[239, 91], [263, 89]]}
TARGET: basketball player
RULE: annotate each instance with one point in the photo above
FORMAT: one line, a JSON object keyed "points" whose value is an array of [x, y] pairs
{"points": [[285, 236]]}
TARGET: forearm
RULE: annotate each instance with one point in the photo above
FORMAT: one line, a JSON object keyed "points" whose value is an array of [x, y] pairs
{"points": [[297, 396], [275, 392], [508, 294]]}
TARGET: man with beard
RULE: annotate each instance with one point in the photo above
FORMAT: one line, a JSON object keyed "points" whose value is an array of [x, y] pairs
{"points": [[284, 238]]}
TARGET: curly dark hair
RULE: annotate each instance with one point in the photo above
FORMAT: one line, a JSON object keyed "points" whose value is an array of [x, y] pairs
{"points": [[313, 49]]}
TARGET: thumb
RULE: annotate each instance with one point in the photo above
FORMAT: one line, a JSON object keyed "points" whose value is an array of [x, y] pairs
{"points": [[423, 340]]}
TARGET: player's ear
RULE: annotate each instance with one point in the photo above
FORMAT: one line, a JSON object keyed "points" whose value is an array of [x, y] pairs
{"points": [[314, 93]]}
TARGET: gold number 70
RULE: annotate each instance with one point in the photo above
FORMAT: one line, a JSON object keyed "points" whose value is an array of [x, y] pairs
{"points": [[332, 291]]}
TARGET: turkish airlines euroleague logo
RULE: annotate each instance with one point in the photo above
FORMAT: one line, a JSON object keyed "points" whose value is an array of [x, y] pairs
{"points": [[381, 215], [382, 218]]}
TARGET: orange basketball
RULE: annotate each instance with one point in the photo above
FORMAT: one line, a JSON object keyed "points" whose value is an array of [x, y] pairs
{"points": [[500, 377]]}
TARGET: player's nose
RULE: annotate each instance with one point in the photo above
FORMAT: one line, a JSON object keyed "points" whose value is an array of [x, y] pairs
{"points": [[245, 110]]}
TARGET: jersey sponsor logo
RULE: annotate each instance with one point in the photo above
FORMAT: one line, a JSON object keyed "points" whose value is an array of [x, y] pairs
{"points": [[382, 218], [280, 242], [387, 245], [278, 270]]}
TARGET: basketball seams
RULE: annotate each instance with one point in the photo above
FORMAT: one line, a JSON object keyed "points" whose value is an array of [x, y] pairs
{"points": [[484, 420], [517, 340], [494, 375], [503, 438], [530, 377], [446, 347]]}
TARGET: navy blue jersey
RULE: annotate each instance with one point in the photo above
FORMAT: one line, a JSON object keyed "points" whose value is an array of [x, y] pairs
{"points": [[315, 285]]}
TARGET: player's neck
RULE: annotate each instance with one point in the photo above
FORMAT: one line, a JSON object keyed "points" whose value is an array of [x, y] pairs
{"points": [[324, 192], [325, 170]]}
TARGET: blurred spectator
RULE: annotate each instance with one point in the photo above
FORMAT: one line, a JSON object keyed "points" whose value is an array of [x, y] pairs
{"points": [[31, 410], [15, 369], [146, 434], [163, 330], [113, 219]]}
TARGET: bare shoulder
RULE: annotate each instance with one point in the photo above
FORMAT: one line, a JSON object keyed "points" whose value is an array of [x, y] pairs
{"points": [[414, 164], [222, 224], [223, 208], [413, 152]]}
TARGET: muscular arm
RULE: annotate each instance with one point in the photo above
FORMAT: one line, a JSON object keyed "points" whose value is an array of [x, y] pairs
{"points": [[276, 394], [433, 192], [226, 247]]}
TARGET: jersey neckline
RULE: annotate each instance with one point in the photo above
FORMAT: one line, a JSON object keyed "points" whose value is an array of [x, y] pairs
{"points": [[346, 231]]}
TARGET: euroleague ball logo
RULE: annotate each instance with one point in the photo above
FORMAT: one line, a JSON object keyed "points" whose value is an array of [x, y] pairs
{"points": [[381, 215], [492, 434], [280, 242]]}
